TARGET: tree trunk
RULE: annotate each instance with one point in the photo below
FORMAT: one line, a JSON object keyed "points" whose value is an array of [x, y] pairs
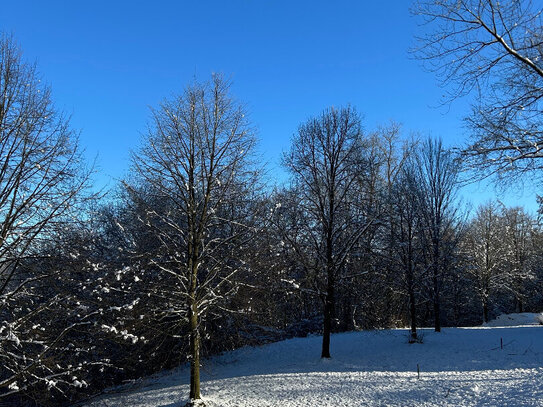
{"points": [[411, 289], [485, 310], [328, 315], [519, 306], [194, 342], [437, 308], [194, 352], [413, 314]]}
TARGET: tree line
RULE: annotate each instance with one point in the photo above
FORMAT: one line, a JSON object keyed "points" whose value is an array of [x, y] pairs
{"points": [[194, 253]]}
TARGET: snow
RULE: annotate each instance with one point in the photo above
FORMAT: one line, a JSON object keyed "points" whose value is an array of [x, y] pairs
{"points": [[458, 367], [522, 319]]}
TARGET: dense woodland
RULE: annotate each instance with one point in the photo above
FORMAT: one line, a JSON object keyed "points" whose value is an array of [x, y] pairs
{"points": [[197, 251]]}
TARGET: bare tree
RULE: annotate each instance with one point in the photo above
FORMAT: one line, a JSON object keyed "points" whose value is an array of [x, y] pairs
{"points": [[501, 252], [399, 203], [494, 48], [486, 252], [405, 237], [436, 173], [325, 161], [518, 236], [197, 161], [42, 179]]}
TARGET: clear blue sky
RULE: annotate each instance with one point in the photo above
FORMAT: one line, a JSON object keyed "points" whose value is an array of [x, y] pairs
{"points": [[108, 61]]}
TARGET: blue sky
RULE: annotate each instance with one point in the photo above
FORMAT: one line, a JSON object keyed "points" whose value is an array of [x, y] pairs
{"points": [[108, 61]]}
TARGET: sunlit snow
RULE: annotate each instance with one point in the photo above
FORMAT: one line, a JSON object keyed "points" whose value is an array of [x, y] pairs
{"points": [[458, 367]]}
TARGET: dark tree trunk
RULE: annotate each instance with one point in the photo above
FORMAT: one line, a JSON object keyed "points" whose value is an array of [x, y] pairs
{"points": [[329, 300], [437, 305], [412, 312], [519, 307], [485, 310], [411, 287], [194, 342], [328, 316], [194, 353], [437, 308]]}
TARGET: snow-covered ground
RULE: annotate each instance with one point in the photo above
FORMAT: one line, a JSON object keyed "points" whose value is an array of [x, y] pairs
{"points": [[458, 367], [525, 318]]}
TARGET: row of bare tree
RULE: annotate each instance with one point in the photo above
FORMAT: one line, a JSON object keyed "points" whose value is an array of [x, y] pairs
{"points": [[194, 253]]}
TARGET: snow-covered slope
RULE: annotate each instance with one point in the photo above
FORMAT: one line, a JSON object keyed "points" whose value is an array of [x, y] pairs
{"points": [[525, 318], [458, 367]]}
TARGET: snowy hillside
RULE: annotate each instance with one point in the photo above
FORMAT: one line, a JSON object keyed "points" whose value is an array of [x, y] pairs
{"points": [[525, 318], [458, 367]]}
